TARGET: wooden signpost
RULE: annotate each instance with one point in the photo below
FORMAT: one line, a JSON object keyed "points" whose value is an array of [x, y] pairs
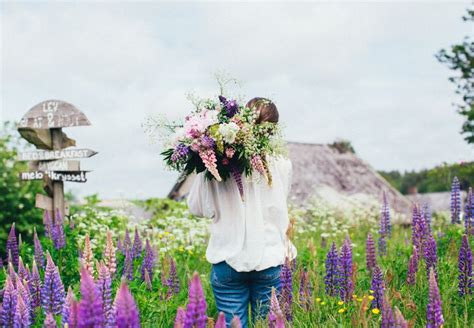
{"points": [[42, 126]]}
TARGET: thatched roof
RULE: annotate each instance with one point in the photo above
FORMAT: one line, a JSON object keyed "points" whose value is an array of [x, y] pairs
{"points": [[323, 171]]}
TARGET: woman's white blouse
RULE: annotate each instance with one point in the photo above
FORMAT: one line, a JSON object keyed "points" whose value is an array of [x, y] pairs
{"points": [[248, 234]]}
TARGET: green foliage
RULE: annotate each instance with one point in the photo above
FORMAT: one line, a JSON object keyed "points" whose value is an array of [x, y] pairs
{"points": [[17, 199], [460, 58], [432, 180]]}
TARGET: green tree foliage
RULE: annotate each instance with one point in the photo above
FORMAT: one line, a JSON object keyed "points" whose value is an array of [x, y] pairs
{"points": [[17, 199], [460, 58], [432, 180]]}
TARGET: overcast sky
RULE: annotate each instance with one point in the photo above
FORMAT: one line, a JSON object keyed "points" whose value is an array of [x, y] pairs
{"points": [[365, 72]]}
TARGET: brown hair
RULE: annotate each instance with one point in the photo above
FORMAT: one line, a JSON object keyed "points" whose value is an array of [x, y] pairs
{"points": [[267, 110]]}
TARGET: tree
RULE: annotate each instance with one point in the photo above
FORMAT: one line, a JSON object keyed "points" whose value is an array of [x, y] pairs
{"points": [[460, 58]]}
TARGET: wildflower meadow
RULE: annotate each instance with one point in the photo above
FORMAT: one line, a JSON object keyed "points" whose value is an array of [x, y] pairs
{"points": [[355, 268]]}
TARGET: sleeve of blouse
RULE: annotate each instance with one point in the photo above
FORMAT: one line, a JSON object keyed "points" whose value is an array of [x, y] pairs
{"points": [[199, 202]]}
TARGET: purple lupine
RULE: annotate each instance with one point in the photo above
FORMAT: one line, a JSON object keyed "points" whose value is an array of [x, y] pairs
{"points": [[39, 254], [412, 267], [377, 286], [385, 221], [58, 237], [231, 106], [48, 222], [388, 319], [465, 278], [34, 284], [173, 281], [127, 242], [24, 294], [137, 245], [305, 290], [286, 293], [148, 263], [469, 213], [237, 175], [455, 201], [128, 265], [220, 323], [104, 288], [346, 287], [430, 255], [12, 246], [49, 321], [90, 310], [22, 272], [180, 151], [419, 229], [180, 317], [10, 296], [22, 318], [74, 314], [275, 315], [331, 279], [427, 216], [196, 309], [371, 260], [434, 312], [67, 307], [382, 243], [52, 292], [207, 142], [148, 282], [119, 246], [126, 309]]}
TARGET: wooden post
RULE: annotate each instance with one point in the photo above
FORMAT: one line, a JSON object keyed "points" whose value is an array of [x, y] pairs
{"points": [[58, 186]]}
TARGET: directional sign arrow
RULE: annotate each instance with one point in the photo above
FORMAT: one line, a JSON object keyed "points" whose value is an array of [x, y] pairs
{"points": [[58, 165], [79, 176], [47, 155]]}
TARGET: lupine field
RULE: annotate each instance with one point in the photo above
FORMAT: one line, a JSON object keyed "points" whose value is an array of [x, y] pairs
{"points": [[355, 268]]}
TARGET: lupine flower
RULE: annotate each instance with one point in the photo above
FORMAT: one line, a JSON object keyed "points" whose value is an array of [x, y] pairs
{"points": [[237, 175], [455, 201], [286, 296], [128, 265], [10, 296], [430, 255], [22, 317], [137, 245], [209, 159], [59, 240], [412, 267], [196, 309], [331, 279], [88, 255], [35, 286], [180, 151], [388, 319], [400, 321], [119, 246], [173, 281], [12, 246], [231, 106], [104, 288], [127, 242], [109, 254], [419, 229], [180, 317], [346, 286], [469, 213], [74, 314], [257, 164], [466, 282], [275, 314], [220, 323], [434, 313], [90, 310], [126, 310], [427, 216], [22, 272], [49, 321], [52, 292], [148, 263], [24, 294], [67, 306], [382, 245], [148, 282], [371, 260], [47, 222], [305, 290], [377, 285], [39, 254], [385, 223], [235, 323]]}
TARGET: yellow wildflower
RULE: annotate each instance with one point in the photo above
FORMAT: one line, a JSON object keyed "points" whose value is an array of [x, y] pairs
{"points": [[371, 297], [340, 302], [359, 299], [371, 291], [354, 296], [341, 310], [322, 303], [375, 311], [318, 300]]}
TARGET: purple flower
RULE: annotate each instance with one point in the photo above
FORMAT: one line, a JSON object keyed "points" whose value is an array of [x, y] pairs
{"points": [[286, 293], [382, 244], [412, 268], [231, 106], [119, 246], [173, 281], [22, 272], [207, 142], [388, 319], [22, 317], [52, 292], [331, 279], [305, 290], [67, 307], [385, 224], [148, 263], [181, 151], [434, 313], [148, 282], [237, 175], [430, 255], [220, 323], [35, 286], [377, 285], [371, 260], [469, 213], [74, 314], [400, 321], [180, 317], [455, 201], [128, 265], [48, 222], [127, 242], [275, 315], [346, 287], [466, 282], [126, 309], [104, 288], [57, 231], [12, 246], [39, 254], [90, 310], [196, 310], [419, 229], [10, 296], [137, 245], [426, 213], [24, 295], [49, 321]]}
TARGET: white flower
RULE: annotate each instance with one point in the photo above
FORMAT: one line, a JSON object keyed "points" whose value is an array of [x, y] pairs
{"points": [[229, 131]]}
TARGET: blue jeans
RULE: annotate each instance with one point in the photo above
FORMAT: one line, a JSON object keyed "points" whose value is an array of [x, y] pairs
{"points": [[234, 291]]}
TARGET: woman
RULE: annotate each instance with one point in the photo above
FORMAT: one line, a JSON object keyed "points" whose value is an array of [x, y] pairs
{"points": [[248, 241]]}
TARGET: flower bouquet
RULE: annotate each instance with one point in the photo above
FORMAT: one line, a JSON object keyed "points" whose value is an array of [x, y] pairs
{"points": [[223, 139]]}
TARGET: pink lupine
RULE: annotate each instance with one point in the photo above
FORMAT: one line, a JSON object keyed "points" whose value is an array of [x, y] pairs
{"points": [[196, 308], [180, 317], [220, 323], [257, 164], [209, 159], [109, 254], [126, 314], [49, 321], [235, 323], [275, 315], [88, 256]]}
